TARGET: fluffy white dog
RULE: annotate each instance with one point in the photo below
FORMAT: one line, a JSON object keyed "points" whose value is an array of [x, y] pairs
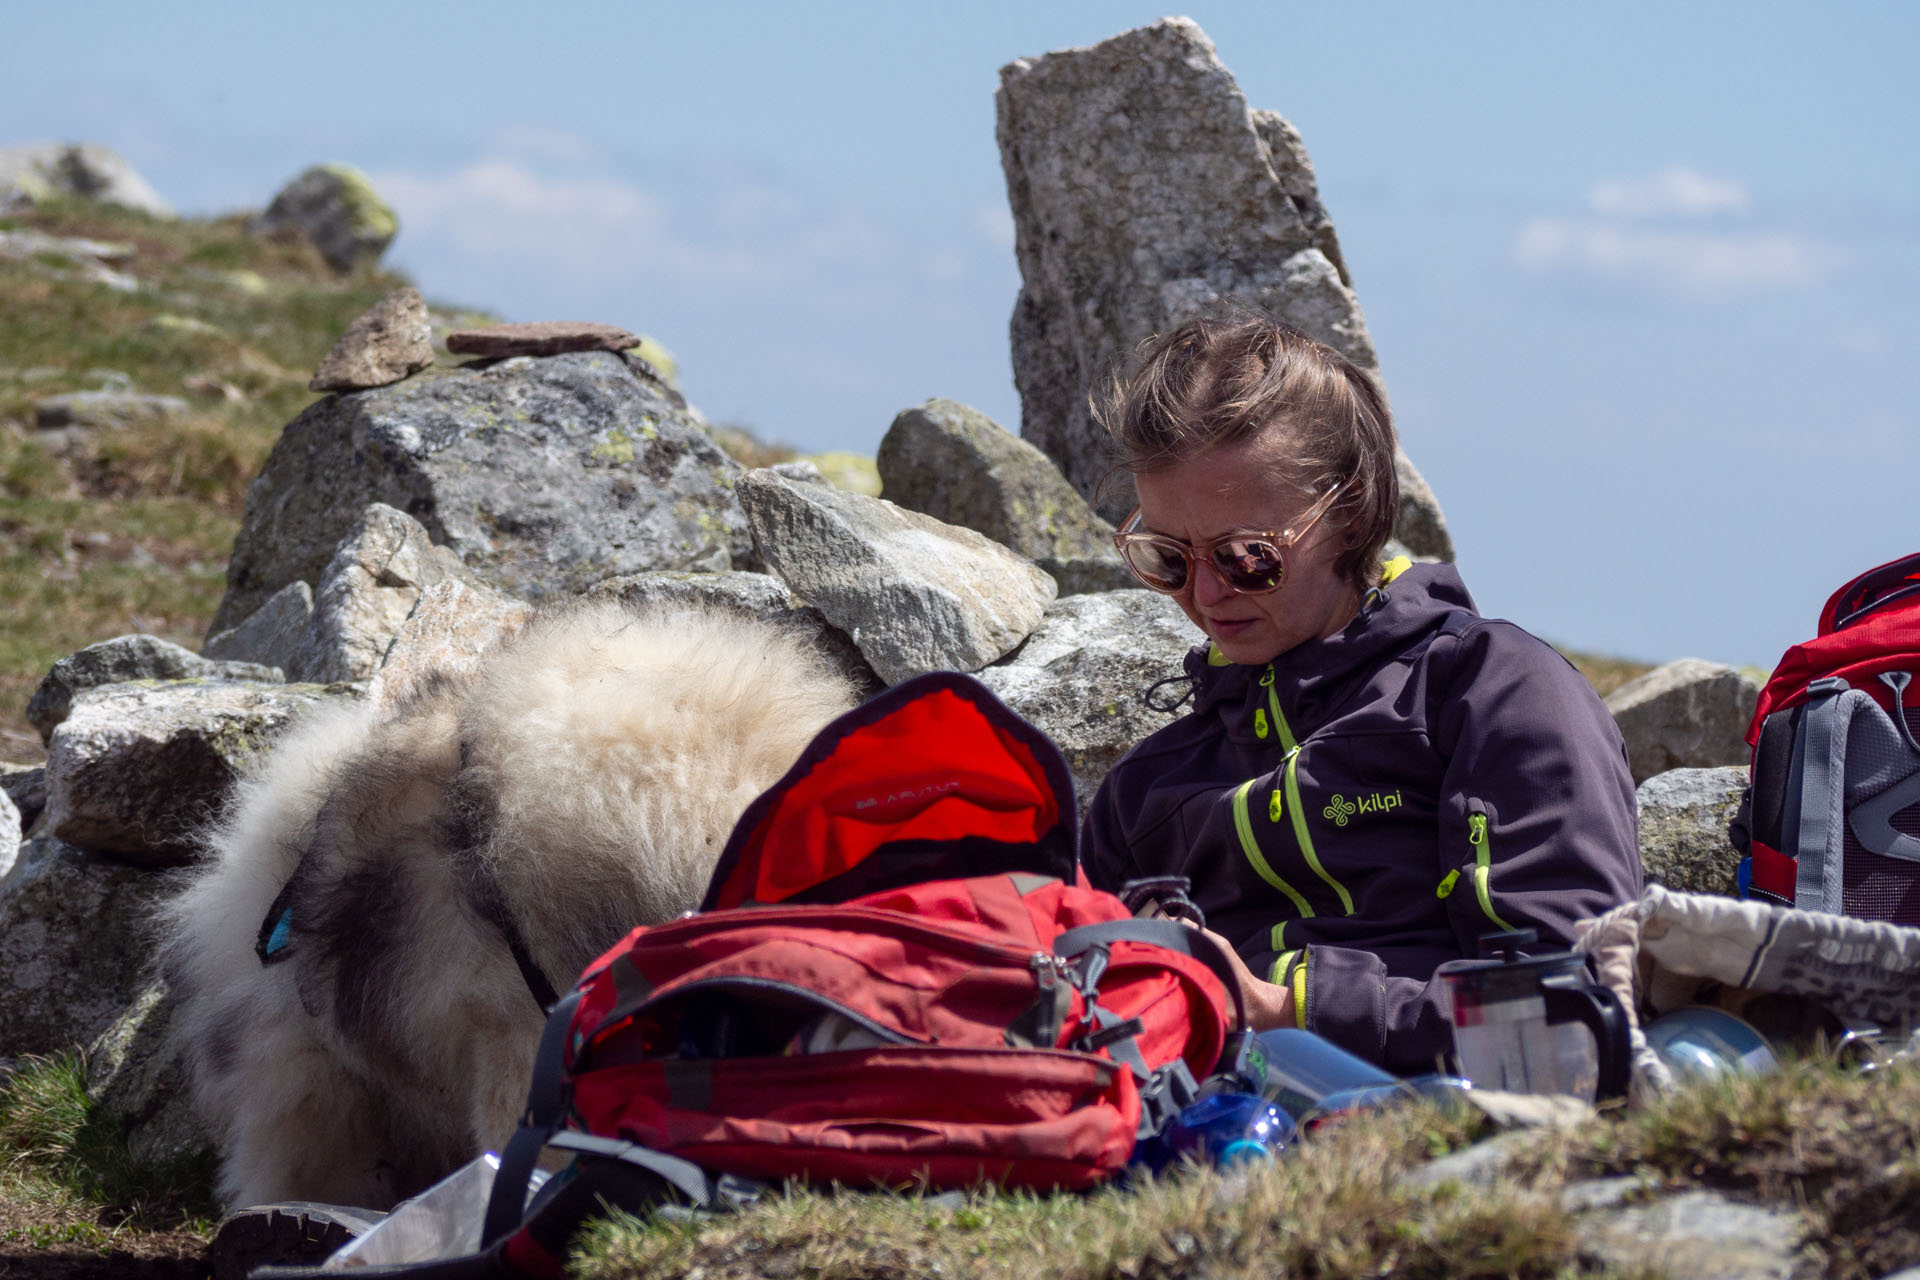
{"points": [[355, 964]]}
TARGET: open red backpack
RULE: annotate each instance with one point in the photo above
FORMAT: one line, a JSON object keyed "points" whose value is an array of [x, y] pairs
{"points": [[1831, 820], [899, 977]]}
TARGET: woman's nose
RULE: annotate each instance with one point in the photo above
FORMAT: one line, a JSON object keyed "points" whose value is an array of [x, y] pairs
{"points": [[1208, 587]]}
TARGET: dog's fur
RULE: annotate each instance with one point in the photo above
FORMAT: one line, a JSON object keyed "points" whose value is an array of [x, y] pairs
{"points": [[581, 781]]}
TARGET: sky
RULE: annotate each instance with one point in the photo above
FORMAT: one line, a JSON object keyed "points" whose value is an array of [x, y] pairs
{"points": [[1644, 278]]}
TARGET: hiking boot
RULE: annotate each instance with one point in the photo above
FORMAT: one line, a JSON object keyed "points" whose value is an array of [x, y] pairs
{"points": [[297, 1231]]}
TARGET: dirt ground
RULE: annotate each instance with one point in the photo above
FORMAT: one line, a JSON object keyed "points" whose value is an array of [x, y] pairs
{"points": [[35, 1247]]}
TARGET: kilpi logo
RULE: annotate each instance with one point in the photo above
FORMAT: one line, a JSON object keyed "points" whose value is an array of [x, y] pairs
{"points": [[1341, 808]]}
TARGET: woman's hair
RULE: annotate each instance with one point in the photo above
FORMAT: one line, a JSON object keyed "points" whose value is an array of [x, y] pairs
{"points": [[1220, 379]]}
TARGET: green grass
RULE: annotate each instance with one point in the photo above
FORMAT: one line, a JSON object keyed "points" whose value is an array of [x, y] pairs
{"points": [[129, 528], [1841, 1146], [63, 1155]]}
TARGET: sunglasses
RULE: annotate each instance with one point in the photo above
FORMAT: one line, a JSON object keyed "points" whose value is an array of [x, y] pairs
{"points": [[1249, 562]]}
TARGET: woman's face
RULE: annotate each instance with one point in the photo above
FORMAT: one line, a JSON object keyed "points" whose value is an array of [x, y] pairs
{"points": [[1233, 488]]}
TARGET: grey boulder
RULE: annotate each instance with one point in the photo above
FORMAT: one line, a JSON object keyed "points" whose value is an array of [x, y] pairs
{"points": [[366, 593], [1683, 828], [914, 594], [32, 173], [1145, 191], [390, 340], [25, 786], [757, 595], [138, 770], [73, 945], [12, 832], [450, 626], [1684, 715], [1087, 677], [954, 463], [137, 1073], [1702, 1235], [272, 634], [337, 209], [542, 475], [125, 658], [104, 409]]}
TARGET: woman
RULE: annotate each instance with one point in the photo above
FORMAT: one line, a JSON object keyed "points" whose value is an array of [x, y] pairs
{"points": [[1371, 776]]}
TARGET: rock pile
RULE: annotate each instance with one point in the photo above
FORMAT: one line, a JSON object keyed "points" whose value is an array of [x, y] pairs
{"points": [[413, 516]]}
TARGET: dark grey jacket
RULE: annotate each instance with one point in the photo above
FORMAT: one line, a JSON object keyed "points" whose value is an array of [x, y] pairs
{"points": [[1366, 806]]}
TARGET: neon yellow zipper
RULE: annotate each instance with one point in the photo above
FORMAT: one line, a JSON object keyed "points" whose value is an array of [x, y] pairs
{"points": [[1305, 838], [1483, 863], [1243, 824]]}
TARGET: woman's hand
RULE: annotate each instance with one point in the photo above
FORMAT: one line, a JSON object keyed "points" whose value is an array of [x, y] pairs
{"points": [[1269, 1005]]}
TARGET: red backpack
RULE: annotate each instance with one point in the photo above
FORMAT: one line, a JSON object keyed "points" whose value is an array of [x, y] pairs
{"points": [[1831, 818], [899, 977]]}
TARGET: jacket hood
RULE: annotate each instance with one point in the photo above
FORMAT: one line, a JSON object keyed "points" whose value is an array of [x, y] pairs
{"points": [[1416, 601]]}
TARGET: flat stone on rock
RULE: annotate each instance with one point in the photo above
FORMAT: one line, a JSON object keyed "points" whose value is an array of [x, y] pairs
{"points": [[543, 338], [74, 945], [452, 624], [1701, 1235], [389, 341], [337, 209], [104, 409], [272, 634], [1684, 815], [366, 593], [954, 463], [914, 594], [1085, 675], [1144, 192], [139, 770], [543, 476], [1688, 714], [124, 658]]}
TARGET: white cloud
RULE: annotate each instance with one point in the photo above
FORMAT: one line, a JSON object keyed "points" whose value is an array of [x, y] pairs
{"points": [[1676, 191], [1683, 259], [995, 222]]}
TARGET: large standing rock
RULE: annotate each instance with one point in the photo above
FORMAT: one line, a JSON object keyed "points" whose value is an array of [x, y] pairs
{"points": [[123, 658], [388, 341], [954, 463], [87, 170], [915, 595], [1688, 714], [1683, 828], [1085, 674], [1144, 190], [73, 945], [337, 209], [137, 1073], [542, 475], [366, 593], [138, 770]]}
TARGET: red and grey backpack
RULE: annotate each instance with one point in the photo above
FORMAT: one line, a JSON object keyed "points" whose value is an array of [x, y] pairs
{"points": [[1831, 818], [899, 977]]}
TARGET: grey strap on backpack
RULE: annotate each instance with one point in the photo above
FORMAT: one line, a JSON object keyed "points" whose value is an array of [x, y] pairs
{"points": [[1880, 765], [1818, 846]]}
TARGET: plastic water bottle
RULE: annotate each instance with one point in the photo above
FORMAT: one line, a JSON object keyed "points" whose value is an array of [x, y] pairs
{"points": [[1225, 1129]]}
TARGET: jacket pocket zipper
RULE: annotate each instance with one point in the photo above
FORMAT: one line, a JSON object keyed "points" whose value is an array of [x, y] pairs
{"points": [[1481, 841]]}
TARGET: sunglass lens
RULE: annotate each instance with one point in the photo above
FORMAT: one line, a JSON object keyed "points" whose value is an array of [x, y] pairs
{"points": [[1249, 564], [1161, 567]]}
